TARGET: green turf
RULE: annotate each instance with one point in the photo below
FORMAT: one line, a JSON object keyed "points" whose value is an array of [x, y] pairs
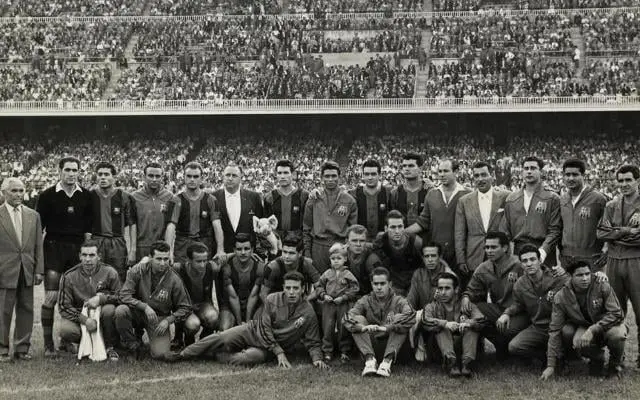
{"points": [[62, 379]]}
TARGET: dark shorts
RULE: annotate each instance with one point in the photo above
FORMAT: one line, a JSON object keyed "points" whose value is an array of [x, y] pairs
{"points": [[113, 251], [60, 256], [182, 243]]}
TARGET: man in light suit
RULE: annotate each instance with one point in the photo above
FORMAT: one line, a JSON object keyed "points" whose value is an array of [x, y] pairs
{"points": [[237, 207], [477, 213], [21, 267]]}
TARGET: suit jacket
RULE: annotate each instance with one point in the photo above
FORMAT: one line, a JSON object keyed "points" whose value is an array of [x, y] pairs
{"points": [[469, 229], [13, 256], [250, 205]]}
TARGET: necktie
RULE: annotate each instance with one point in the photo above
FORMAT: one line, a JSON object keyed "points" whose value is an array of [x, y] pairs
{"points": [[17, 222]]}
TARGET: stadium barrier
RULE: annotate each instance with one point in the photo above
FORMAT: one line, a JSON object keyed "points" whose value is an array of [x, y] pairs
{"points": [[311, 106], [365, 15]]}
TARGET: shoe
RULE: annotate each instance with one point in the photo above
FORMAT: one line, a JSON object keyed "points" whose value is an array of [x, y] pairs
{"points": [[68, 347], [451, 366], [50, 352], [177, 344], [22, 356], [614, 371], [173, 356], [344, 358], [466, 370], [112, 355], [596, 367], [4, 358], [384, 369], [327, 358], [370, 367]]}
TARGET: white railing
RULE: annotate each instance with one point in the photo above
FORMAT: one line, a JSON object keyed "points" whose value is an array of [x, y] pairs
{"points": [[320, 106], [369, 15]]}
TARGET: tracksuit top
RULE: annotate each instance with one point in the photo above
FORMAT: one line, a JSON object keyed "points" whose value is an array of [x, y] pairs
{"points": [[392, 312], [541, 226], [536, 301], [580, 223], [328, 225], [168, 299], [497, 280], [618, 214], [424, 284], [338, 284], [76, 287], [435, 316], [281, 326], [604, 313]]}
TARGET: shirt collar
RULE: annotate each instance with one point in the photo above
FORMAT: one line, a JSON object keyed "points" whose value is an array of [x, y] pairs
{"points": [[10, 208], [486, 195], [458, 188], [232, 195], [76, 188]]}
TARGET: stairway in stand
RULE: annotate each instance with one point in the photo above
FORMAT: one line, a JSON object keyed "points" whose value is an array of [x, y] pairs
{"points": [[423, 76]]}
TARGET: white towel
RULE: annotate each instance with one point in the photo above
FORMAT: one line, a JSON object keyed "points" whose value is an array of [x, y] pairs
{"points": [[92, 344]]}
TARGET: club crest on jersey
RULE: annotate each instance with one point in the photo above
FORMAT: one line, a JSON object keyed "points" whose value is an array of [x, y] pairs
{"points": [[597, 303], [163, 295], [299, 322], [342, 211], [635, 219], [296, 209], [390, 318], [383, 206], [512, 277], [116, 210], [71, 210], [163, 207], [204, 214], [541, 206], [100, 286], [585, 212]]}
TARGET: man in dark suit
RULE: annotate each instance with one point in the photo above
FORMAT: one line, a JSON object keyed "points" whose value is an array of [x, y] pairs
{"points": [[21, 267], [237, 206], [477, 213]]}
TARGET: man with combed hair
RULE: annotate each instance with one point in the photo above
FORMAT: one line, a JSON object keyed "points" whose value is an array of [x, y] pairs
{"points": [[361, 257], [242, 277], [437, 218], [153, 297], [195, 217], [66, 215], [382, 317], [532, 214], [399, 252], [21, 268], [286, 320], [372, 199], [286, 201], [238, 206], [92, 284], [581, 209], [327, 217], [620, 228], [153, 209], [586, 317], [291, 259], [477, 213], [200, 277], [445, 317], [496, 278], [114, 221], [533, 294], [408, 198]]}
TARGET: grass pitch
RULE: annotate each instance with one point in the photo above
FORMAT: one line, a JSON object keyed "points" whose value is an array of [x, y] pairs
{"points": [[63, 379]]}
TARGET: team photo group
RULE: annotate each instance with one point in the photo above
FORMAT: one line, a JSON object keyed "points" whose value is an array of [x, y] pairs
{"points": [[428, 272]]}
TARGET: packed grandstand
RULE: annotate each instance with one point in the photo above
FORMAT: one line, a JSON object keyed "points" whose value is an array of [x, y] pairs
{"points": [[64, 52]]}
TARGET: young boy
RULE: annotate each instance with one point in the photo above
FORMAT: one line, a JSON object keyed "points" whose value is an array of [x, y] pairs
{"points": [[337, 291]]}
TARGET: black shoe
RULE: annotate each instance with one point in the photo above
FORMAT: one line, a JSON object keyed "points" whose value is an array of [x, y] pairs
{"points": [[177, 344], [451, 366], [23, 356], [596, 367], [173, 356], [614, 371], [466, 370]]}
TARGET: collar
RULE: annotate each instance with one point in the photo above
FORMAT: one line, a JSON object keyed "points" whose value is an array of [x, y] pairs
{"points": [[457, 189], [488, 195], [232, 195], [579, 194], [11, 208], [76, 188]]}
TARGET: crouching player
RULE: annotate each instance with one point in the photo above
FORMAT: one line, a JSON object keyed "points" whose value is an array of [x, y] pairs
{"points": [[153, 297], [92, 284], [380, 318], [586, 317], [200, 279], [453, 327]]}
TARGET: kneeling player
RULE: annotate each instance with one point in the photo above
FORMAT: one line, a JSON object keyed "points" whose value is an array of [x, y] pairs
{"points": [[586, 317], [453, 327], [153, 297], [200, 278], [93, 284]]}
